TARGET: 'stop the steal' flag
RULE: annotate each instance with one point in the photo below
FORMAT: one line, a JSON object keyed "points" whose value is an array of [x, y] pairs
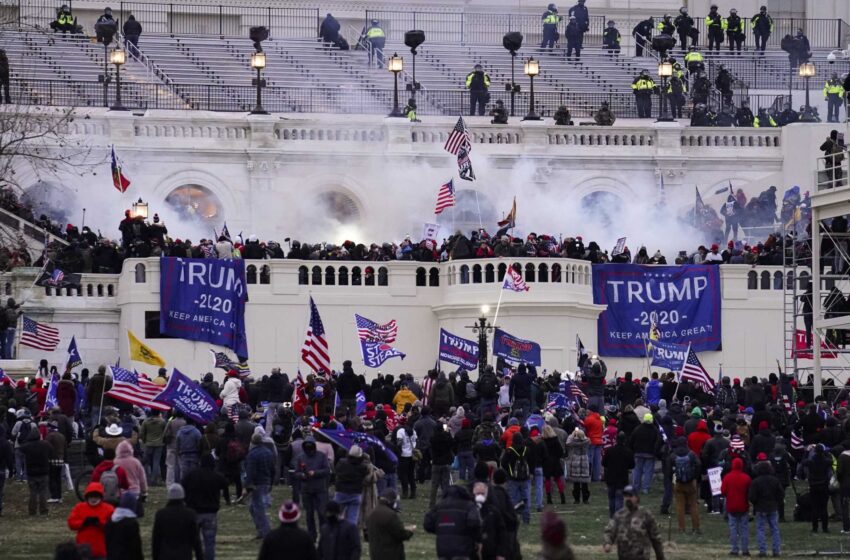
{"points": [[376, 353], [458, 351], [204, 299], [515, 349], [185, 395]]}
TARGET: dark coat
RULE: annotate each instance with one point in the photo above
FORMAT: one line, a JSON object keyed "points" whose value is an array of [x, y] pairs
{"points": [[175, 533], [456, 522], [386, 533], [123, 540], [766, 490], [617, 462], [350, 474], [288, 541], [554, 453], [339, 540]]}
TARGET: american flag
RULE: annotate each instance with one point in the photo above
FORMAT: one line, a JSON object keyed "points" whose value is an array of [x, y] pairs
{"points": [[57, 277], [557, 400], [796, 441], [371, 331], [222, 361], [129, 386], [576, 392], [38, 335], [445, 197], [458, 138], [514, 281], [695, 372], [736, 443], [315, 352]]}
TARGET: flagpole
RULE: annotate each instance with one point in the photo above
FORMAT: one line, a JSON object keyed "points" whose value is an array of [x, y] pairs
{"points": [[498, 305], [478, 206]]}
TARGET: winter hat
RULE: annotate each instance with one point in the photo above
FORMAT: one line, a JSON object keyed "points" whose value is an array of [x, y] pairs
{"points": [[763, 425], [176, 492], [513, 422], [761, 456], [289, 513], [355, 451], [647, 418], [697, 411]]}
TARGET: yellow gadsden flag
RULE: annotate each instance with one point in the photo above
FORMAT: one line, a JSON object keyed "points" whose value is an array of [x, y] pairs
{"points": [[139, 352]]}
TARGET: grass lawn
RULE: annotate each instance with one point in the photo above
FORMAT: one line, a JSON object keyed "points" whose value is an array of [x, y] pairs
{"points": [[24, 537]]}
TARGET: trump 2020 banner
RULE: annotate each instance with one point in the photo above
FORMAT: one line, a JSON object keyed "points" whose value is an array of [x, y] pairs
{"points": [[515, 349], [683, 302], [204, 299], [185, 395], [458, 351], [667, 355]]}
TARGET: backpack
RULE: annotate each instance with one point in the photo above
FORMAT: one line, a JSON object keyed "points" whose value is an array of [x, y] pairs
{"points": [[521, 471], [489, 388], [471, 393], [235, 451], [684, 468], [111, 485], [23, 433]]}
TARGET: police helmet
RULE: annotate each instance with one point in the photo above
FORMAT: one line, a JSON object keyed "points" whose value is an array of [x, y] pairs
{"points": [[667, 16], [552, 8], [733, 11], [763, 9], [611, 23], [834, 76], [683, 10], [64, 8], [107, 10], [644, 71], [374, 22], [713, 7], [604, 103], [477, 67]]}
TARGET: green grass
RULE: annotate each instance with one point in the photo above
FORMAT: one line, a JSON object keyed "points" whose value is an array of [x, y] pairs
{"points": [[24, 537]]}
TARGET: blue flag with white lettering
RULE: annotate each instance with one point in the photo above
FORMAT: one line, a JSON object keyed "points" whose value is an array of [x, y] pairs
{"points": [[185, 395], [458, 351], [376, 353], [360, 399], [204, 299], [683, 302], [668, 355], [515, 349], [50, 400], [365, 441]]}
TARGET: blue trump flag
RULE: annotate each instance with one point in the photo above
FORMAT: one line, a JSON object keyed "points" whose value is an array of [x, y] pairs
{"points": [[514, 349], [458, 351], [185, 395], [50, 400], [204, 299], [682, 301], [74, 358], [360, 400], [668, 355], [346, 439], [376, 353]]}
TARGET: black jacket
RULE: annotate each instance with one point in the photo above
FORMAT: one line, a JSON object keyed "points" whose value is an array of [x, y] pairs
{"points": [[442, 445], [37, 455], [520, 386], [456, 522], [347, 385], [350, 474], [132, 27], [175, 533], [275, 387], [123, 540], [765, 490], [340, 540], [290, 542], [644, 439], [494, 537], [204, 488], [617, 461]]}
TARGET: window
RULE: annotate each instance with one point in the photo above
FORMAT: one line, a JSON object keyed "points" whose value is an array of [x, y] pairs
{"points": [[343, 276], [434, 277], [266, 274], [141, 274], [420, 277], [152, 325], [251, 274]]}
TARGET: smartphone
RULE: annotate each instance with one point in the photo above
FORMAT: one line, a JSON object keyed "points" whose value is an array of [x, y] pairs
{"points": [[287, 405]]}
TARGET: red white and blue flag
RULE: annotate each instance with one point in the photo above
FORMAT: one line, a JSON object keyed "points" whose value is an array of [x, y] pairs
{"points": [[129, 386], [120, 182], [38, 335], [694, 371], [445, 197], [458, 139], [370, 331], [514, 281], [314, 351]]}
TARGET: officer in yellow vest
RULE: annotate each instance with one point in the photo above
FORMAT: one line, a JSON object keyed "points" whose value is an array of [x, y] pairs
{"points": [[693, 61], [764, 120], [64, 21], [714, 25], [478, 84], [643, 87], [376, 37], [551, 19], [734, 27], [833, 92]]}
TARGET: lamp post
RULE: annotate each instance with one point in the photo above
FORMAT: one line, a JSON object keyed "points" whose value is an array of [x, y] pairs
{"points": [[512, 41], [665, 70], [808, 71], [140, 209], [413, 39], [258, 62], [532, 68], [395, 64], [482, 327], [118, 58]]}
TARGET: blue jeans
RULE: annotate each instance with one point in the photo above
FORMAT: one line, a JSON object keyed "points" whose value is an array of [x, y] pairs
{"points": [[260, 501], [186, 463], [350, 504], [8, 343], [208, 525], [594, 457], [772, 520], [520, 491], [152, 460], [644, 469], [20, 465], [538, 487], [615, 500], [739, 530], [467, 465]]}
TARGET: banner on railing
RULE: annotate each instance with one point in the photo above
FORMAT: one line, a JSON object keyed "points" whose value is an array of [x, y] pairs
{"points": [[204, 299], [514, 349], [682, 301], [458, 351]]}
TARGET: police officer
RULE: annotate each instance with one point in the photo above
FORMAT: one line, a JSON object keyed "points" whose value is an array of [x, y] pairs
{"points": [[410, 110], [744, 115], [714, 25], [64, 21], [575, 38], [562, 116], [633, 530], [551, 19], [787, 115], [702, 115], [833, 92], [762, 26], [376, 38], [726, 117], [478, 84], [694, 61], [764, 120], [642, 33], [666, 26], [685, 27], [701, 88], [677, 90], [723, 83], [642, 87], [734, 31], [579, 11], [604, 116], [500, 116], [611, 38]]}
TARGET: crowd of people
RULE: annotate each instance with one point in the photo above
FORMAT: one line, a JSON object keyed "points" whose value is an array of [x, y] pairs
{"points": [[510, 446]]}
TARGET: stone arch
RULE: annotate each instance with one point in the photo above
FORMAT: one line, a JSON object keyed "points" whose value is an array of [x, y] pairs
{"points": [[226, 194], [141, 273]]}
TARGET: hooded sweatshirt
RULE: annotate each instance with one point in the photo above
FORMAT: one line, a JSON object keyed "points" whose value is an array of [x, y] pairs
{"points": [[136, 479], [91, 534], [698, 438], [736, 488]]}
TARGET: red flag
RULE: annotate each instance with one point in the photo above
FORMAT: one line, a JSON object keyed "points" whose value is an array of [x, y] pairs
{"points": [[121, 182]]}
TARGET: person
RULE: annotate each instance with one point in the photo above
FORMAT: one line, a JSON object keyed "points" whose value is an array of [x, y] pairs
{"points": [[552, 463], [288, 541], [694, 61], [259, 476], [764, 120], [175, 533], [642, 87], [644, 441], [204, 488], [339, 539], [833, 151], [122, 534], [735, 488], [762, 26], [714, 27], [553, 537], [478, 84], [456, 522], [787, 116], [686, 470], [744, 115], [734, 26], [634, 530], [375, 40], [494, 538], [665, 26], [189, 440], [37, 454], [7, 461], [575, 36], [409, 111], [617, 461], [132, 32], [312, 470], [442, 456], [797, 47], [350, 473], [562, 116], [515, 462], [833, 93], [329, 29], [499, 114], [685, 28], [65, 22], [137, 482], [406, 440], [174, 424], [105, 26], [12, 310], [701, 89], [731, 211], [611, 38], [677, 90], [723, 83], [582, 17], [4, 76], [151, 434], [386, 531], [578, 465], [842, 475], [765, 493], [604, 116], [551, 19], [642, 32], [818, 469], [88, 518]]}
